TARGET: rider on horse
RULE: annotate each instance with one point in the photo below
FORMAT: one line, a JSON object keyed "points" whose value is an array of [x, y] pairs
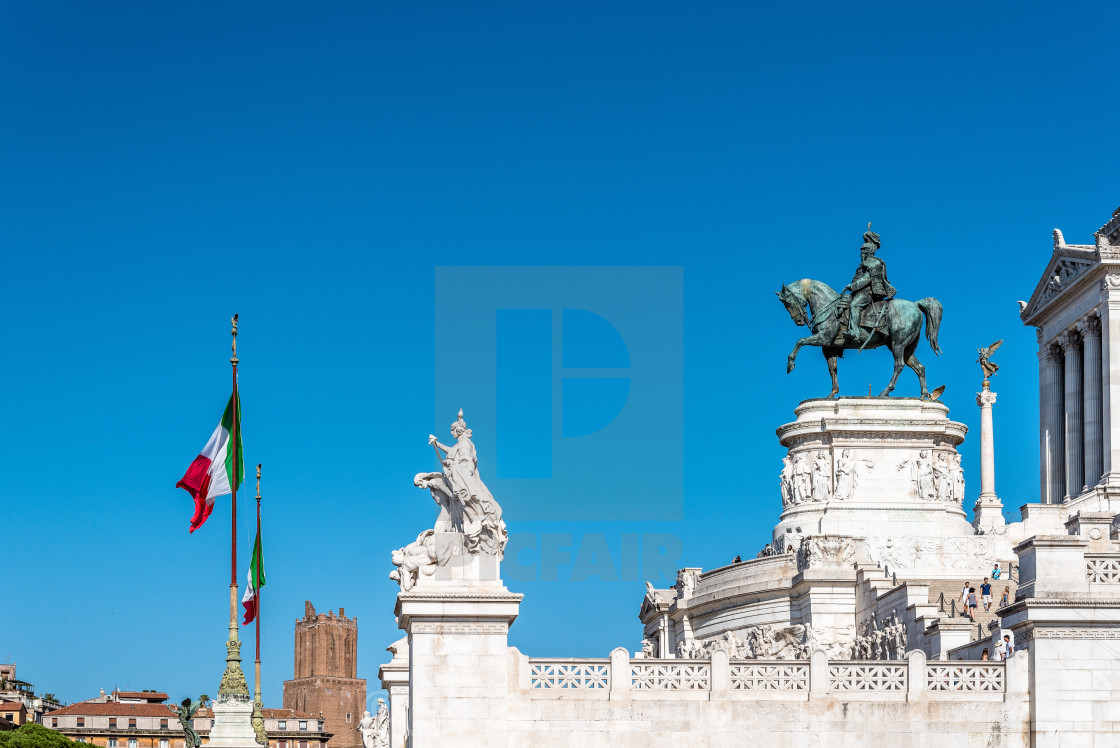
{"points": [[869, 284]]}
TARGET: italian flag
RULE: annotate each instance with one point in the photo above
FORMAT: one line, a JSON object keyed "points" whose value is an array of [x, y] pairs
{"points": [[256, 581], [212, 472]]}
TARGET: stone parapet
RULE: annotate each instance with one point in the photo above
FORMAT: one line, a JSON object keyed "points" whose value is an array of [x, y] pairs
{"points": [[1052, 566]]}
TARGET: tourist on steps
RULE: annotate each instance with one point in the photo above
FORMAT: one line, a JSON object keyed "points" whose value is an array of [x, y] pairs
{"points": [[972, 603], [986, 595], [1003, 601]]}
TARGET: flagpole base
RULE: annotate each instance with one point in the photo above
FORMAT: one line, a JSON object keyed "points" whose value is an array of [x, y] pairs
{"points": [[233, 723]]}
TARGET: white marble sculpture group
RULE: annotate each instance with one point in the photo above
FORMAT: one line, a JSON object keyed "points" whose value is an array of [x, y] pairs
{"points": [[805, 479], [469, 520], [936, 480], [375, 729]]}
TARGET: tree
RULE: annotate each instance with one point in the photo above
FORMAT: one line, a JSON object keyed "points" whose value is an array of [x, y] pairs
{"points": [[204, 700], [50, 697], [32, 735]]}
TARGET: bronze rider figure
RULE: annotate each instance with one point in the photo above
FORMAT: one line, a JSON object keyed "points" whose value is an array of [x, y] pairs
{"points": [[869, 284]]}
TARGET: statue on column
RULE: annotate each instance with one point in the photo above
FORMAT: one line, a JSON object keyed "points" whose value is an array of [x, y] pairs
{"points": [[988, 366]]}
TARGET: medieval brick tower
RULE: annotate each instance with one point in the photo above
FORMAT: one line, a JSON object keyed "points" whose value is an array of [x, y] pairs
{"points": [[325, 679]]}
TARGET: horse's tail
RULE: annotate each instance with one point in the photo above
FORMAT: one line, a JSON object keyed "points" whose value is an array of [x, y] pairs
{"points": [[931, 307]]}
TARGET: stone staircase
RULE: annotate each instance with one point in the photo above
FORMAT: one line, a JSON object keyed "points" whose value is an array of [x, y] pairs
{"points": [[952, 592]]}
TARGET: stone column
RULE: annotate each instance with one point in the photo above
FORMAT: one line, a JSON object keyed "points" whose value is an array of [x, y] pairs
{"points": [[1074, 421], [988, 511], [1110, 374], [1090, 329], [1054, 487], [1043, 408]]}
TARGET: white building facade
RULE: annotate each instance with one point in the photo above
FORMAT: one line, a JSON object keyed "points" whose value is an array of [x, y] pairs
{"points": [[854, 631]]}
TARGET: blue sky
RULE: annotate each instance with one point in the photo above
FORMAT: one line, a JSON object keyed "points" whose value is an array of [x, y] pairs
{"points": [[310, 167]]}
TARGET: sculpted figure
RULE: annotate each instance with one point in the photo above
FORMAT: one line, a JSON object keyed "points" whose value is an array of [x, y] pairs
{"points": [[801, 488], [366, 728], [896, 324], [956, 472], [418, 557], [785, 481], [381, 726], [482, 524], [989, 367], [450, 517], [869, 283], [822, 477], [921, 474], [943, 478], [847, 474], [647, 648], [686, 583], [186, 713], [690, 649]]}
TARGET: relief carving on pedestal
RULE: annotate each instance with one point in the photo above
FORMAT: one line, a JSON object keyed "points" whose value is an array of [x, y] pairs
{"points": [[884, 640], [785, 481], [822, 550], [921, 475], [848, 474], [822, 477]]}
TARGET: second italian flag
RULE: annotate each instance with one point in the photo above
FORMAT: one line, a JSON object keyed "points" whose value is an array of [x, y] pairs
{"points": [[256, 581]]}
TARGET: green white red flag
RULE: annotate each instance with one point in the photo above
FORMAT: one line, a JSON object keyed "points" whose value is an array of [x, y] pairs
{"points": [[256, 581], [213, 472]]}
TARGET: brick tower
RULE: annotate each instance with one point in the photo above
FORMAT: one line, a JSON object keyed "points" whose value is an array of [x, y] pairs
{"points": [[325, 679]]}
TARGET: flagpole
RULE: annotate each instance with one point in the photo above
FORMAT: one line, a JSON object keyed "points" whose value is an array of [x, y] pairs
{"points": [[233, 484], [232, 689], [257, 577], [258, 559]]}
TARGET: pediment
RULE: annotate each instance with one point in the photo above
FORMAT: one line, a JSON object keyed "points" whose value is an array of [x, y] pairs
{"points": [[1067, 264], [658, 601]]}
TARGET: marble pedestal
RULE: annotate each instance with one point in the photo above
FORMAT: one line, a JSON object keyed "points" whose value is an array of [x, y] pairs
{"points": [[884, 469], [233, 723], [457, 620]]}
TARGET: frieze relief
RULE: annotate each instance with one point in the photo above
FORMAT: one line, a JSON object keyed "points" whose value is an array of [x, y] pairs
{"points": [[826, 550], [966, 553]]}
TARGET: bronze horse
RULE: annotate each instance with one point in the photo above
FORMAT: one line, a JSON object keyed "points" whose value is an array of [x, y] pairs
{"points": [[902, 322]]}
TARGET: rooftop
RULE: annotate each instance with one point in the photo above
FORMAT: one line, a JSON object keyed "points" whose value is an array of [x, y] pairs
{"points": [[114, 709], [153, 696]]}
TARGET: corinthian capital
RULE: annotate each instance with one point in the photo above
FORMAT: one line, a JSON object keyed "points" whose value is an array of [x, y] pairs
{"points": [[1054, 353], [1090, 327], [987, 397], [1070, 340]]}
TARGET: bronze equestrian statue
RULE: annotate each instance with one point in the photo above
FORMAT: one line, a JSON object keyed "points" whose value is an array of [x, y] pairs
{"points": [[871, 317]]}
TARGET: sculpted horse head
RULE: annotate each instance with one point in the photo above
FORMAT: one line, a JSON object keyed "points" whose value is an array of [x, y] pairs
{"points": [[794, 302]]}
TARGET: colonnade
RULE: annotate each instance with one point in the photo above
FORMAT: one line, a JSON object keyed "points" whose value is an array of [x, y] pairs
{"points": [[1071, 418]]}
